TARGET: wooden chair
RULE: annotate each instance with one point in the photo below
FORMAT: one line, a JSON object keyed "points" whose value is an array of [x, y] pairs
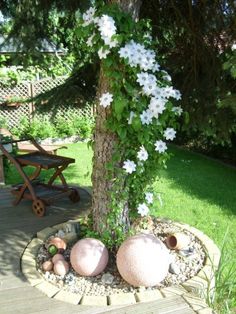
{"points": [[24, 147], [41, 194]]}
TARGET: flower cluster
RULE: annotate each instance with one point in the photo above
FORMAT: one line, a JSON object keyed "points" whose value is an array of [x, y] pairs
{"points": [[138, 55], [88, 16], [107, 28]]}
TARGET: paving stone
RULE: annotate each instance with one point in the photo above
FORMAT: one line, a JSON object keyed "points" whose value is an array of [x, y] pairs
{"points": [[94, 300], [65, 296], [197, 286], [58, 227], [207, 273], [146, 296], [122, 298], [34, 277], [206, 311], [34, 246], [48, 289], [70, 237], [28, 268], [174, 290], [27, 261], [45, 233], [195, 302]]}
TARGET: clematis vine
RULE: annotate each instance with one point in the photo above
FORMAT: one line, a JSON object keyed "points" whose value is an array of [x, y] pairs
{"points": [[140, 97]]}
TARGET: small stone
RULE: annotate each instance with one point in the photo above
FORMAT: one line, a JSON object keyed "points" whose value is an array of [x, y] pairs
{"points": [[47, 266], [107, 279], [61, 268], [60, 233], [57, 257], [174, 269]]}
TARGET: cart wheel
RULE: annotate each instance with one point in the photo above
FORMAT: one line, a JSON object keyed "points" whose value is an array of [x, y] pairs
{"points": [[74, 195], [38, 208]]}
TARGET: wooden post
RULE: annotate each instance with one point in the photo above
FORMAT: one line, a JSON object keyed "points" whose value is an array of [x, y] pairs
{"points": [[2, 178], [31, 104]]}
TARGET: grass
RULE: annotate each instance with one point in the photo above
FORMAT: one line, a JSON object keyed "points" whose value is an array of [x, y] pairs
{"points": [[195, 190]]}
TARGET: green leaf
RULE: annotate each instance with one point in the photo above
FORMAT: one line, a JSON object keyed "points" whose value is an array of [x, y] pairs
{"points": [[136, 124], [119, 105], [122, 133]]}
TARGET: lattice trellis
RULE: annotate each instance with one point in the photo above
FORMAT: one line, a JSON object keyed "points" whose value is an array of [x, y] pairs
{"points": [[13, 115], [66, 112], [44, 85], [21, 90], [31, 89]]}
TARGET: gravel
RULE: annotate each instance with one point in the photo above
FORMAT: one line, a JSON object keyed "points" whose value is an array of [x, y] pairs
{"points": [[184, 264]]}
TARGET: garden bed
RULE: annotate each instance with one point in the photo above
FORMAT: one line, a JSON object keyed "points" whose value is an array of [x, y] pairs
{"points": [[191, 270]]}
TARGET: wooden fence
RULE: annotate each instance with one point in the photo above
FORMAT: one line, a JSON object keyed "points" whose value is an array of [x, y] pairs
{"points": [[13, 114]]}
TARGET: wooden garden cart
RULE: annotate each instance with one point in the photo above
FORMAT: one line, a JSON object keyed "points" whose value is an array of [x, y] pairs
{"points": [[41, 194]]}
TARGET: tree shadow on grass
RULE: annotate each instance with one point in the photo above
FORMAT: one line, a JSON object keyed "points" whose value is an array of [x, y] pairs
{"points": [[202, 178]]}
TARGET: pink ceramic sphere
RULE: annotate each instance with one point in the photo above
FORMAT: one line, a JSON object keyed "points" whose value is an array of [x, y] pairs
{"points": [[89, 257], [58, 242], [57, 257], [61, 267], [143, 260]]}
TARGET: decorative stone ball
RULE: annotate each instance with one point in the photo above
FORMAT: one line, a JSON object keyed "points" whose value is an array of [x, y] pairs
{"points": [[47, 266], [58, 242], [143, 260], [89, 257], [58, 257], [61, 267]]}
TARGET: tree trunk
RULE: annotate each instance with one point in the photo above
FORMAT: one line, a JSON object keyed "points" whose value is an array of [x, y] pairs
{"points": [[104, 146]]}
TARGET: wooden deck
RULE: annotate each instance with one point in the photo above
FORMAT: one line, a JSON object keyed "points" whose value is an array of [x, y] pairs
{"points": [[17, 226]]}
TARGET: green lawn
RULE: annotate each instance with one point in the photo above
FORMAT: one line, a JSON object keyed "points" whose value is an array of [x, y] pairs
{"points": [[194, 190]]}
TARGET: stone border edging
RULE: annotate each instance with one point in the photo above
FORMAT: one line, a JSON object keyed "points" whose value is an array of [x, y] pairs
{"points": [[194, 291]]}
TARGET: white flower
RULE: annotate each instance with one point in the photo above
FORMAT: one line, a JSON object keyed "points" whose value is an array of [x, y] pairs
{"points": [[177, 110], [131, 116], [149, 197], [142, 154], [160, 146], [90, 40], [166, 76], [107, 28], [106, 99], [144, 78], [129, 166], [143, 210], [102, 53], [149, 89], [155, 67], [169, 134], [146, 117], [138, 55], [88, 16], [156, 106], [124, 52], [233, 47], [112, 43]]}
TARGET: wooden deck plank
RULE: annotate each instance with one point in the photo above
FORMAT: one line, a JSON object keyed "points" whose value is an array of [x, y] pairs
{"points": [[162, 306]]}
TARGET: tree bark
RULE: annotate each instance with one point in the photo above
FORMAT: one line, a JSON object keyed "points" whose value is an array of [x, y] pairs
{"points": [[104, 146]]}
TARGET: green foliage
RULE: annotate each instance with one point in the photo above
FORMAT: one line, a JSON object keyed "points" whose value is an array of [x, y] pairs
{"points": [[57, 127], [194, 42]]}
